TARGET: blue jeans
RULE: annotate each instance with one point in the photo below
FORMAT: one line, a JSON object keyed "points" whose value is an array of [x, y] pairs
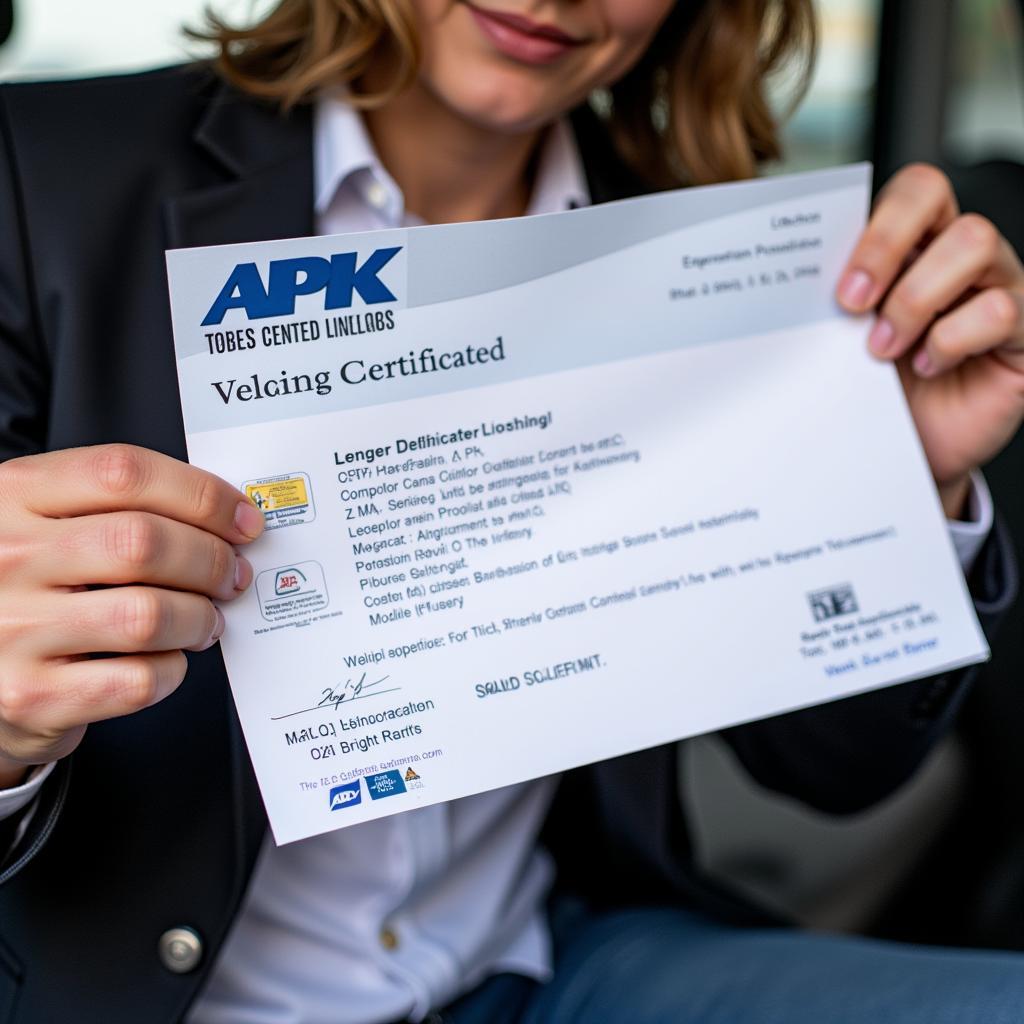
{"points": [[666, 966]]}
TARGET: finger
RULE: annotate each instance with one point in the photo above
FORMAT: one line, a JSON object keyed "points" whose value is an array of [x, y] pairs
{"points": [[131, 620], [117, 477], [919, 200], [957, 260], [992, 320], [93, 690], [139, 547]]}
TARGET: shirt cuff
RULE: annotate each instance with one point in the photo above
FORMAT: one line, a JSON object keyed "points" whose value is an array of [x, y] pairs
{"points": [[14, 800], [969, 535]]}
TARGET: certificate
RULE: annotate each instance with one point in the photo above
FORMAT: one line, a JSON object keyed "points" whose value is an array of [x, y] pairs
{"points": [[544, 491]]}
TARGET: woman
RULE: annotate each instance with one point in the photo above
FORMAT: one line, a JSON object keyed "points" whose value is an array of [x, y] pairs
{"points": [[139, 885]]}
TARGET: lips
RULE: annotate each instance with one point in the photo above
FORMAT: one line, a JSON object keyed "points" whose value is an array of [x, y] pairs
{"points": [[521, 38]]}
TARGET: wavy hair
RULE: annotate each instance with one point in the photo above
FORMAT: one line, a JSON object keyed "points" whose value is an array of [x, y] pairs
{"points": [[694, 110]]}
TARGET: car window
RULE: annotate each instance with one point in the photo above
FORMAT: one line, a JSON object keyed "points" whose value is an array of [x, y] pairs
{"points": [[833, 124], [985, 107], [63, 38]]}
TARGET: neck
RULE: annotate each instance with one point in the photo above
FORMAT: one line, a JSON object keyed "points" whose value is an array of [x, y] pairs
{"points": [[464, 172]]}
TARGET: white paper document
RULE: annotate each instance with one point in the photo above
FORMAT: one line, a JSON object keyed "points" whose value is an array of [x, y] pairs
{"points": [[543, 491]]}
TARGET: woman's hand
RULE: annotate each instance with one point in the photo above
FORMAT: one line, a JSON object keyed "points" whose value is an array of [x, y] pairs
{"points": [[162, 531], [949, 290]]}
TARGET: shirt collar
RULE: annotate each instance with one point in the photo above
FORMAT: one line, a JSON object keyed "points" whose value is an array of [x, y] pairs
{"points": [[560, 183], [343, 153]]}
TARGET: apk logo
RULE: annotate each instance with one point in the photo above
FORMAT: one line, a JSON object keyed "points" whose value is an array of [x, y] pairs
{"points": [[347, 795], [338, 277]]}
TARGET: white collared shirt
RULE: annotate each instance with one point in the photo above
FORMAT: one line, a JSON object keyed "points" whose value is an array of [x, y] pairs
{"points": [[393, 917], [390, 918]]}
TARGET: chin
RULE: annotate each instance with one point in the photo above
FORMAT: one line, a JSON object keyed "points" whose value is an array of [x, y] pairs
{"points": [[507, 101]]}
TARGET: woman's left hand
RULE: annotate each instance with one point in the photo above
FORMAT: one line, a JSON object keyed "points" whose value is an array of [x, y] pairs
{"points": [[949, 290]]}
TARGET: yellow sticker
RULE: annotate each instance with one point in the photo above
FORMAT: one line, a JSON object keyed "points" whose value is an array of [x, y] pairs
{"points": [[279, 494], [284, 500]]}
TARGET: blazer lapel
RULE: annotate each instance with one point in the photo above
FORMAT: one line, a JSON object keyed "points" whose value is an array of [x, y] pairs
{"points": [[608, 177], [266, 186]]}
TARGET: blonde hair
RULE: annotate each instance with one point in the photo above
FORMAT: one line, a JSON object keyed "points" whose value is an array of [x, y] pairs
{"points": [[694, 109]]}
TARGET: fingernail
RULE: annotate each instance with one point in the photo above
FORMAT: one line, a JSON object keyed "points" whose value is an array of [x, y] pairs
{"points": [[923, 364], [243, 573], [882, 337], [855, 289], [218, 630], [248, 519]]}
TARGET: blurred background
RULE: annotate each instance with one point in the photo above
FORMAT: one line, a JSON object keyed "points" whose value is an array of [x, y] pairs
{"points": [[897, 80], [984, 70]]}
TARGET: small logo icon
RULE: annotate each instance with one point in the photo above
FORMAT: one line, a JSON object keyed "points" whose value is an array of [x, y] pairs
{"points": [[410, 775], [833, 602], [284, 500], [288, 581], [347, 795], [384, 784], [292, 592]]}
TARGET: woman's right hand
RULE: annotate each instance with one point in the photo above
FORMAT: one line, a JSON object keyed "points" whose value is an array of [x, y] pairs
{"points": [[161, 532]]}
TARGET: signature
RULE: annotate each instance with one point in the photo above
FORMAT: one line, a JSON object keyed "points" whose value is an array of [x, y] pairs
{"points": [[336, 696]]}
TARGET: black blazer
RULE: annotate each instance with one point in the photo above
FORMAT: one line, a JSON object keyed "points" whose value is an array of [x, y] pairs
{"points": [[156, 820]]}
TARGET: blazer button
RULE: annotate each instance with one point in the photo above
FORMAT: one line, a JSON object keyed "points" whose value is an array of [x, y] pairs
{"points": [[180, 949]]}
